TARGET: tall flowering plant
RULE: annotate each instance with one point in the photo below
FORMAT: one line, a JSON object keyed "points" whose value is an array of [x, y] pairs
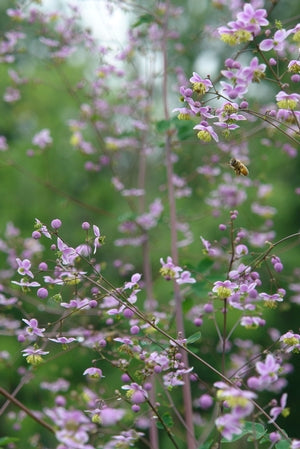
{"points": [[169, 353]]}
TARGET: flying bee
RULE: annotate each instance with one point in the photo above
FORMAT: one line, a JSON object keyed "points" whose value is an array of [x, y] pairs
{"points": [[239, 167]]}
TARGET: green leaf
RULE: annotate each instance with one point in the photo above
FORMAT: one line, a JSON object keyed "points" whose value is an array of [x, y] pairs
{"points": [[167, 419], [204, 265], [206, 445], [283, 444], [257, 430], [8, 440], [163, 125], [127, 216], [200, 289], [144, 18], [184, 129], [194, 337], [187, 305]]}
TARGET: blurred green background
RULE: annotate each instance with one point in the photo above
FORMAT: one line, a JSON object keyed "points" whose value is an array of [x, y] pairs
{"points": [[54, 184]]}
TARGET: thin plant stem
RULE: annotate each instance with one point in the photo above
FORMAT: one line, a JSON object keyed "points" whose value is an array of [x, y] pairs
{"points": [[187, 397], [182, 346], [28, 412], [224, 339], [147, 271]]}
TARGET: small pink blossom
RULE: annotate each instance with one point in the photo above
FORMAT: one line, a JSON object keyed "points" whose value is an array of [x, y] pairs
{"points": [[42, 139], [206, 132], [276, 411], [3, 143], [98, 238], [67, 253], [24, 267], [93, 373], [63, 340], [133, 284], [185, 278], [33, 328], [33, 351], [169, 270], [11, 95], [277, 43]]}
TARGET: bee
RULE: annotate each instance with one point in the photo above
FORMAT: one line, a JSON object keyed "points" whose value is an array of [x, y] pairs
{"points": [[239, 167]]}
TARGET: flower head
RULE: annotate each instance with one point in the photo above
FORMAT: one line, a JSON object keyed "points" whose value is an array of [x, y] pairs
{"points": [[42, 138], [200, 85], [206, 132], [279, 410], [33, 328], [93, 373], [169, 270], [67, 253], [98, 238], [224, 289], [34, 355], [24, 267]]}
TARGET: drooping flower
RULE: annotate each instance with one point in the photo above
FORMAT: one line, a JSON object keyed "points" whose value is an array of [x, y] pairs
{"points": [[291, 342], [34, 355], [24, 267], [67, 253], [106, 416], [287, 101], [63, 340], [279, 410], [240, 404], [98, 238], [185, 278], [33, 328], [224, 289], [206, 132], [133, 284], [135, 393], [93, 373], [277, 43], [200, 85], [169, 270]]}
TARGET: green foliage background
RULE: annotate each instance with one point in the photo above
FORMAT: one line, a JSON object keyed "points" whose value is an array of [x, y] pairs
{"points": [[55, 184]]}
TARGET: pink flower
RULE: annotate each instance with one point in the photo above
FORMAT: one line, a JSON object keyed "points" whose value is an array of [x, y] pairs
{"points": [[229, 425], [135, 393], [268, 369], [252, 19], [169, 270], [42, 138], [68, 254], [33, 351], [200, 85], [205, 401], [276, 411], [206, 132], [277, 43], [11, 95], [42, 228], [185, 278], [106, 416], [135, 278], [97, 240], [3, 144], [33, 328], [93, 373], [62, 340], [24, 284], [24, 267]]}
